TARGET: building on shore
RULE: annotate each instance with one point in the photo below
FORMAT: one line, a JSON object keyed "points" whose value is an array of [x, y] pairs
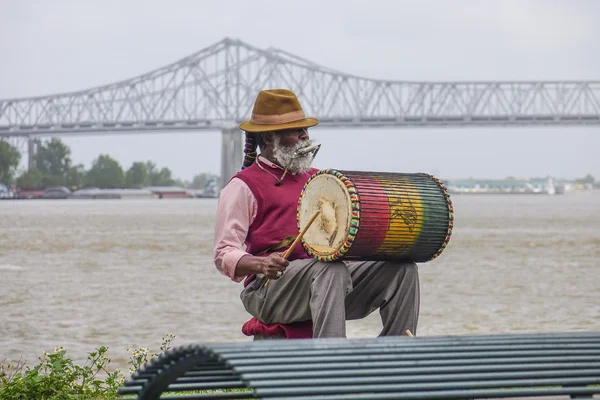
{"points": [[170, 192], [96, 193]]}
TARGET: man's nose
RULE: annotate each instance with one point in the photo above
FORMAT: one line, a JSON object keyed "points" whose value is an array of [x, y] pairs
{"points": [[303, 134]]}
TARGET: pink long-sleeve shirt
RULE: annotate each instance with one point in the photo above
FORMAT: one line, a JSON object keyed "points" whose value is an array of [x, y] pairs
{"points": [[236, 211]]}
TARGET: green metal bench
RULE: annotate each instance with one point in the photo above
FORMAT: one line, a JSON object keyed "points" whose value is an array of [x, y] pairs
{"points": [[557, 365]]}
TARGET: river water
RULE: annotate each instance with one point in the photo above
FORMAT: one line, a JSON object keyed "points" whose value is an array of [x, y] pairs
{"points": [[122, 273]]}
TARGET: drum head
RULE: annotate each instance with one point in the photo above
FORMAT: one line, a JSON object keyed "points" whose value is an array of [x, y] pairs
{"points": [[330, 230]]}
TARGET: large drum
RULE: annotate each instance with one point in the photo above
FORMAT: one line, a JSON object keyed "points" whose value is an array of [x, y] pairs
{"points": [[375, 216]]}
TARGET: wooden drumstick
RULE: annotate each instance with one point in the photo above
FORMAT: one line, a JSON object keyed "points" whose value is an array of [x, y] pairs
{"points": [[289, 251], [409, 333]]}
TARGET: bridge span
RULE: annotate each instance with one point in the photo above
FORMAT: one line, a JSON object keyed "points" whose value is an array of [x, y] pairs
{"points": [[214, 89]]}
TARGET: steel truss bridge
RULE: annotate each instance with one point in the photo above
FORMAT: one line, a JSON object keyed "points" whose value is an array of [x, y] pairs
{"points": [[214, 89]]}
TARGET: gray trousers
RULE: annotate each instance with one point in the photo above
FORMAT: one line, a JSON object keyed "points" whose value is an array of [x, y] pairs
{"points": [[331, 293]]}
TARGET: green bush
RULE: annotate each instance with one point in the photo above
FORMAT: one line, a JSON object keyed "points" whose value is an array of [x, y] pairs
{"points": [[57, 377]]}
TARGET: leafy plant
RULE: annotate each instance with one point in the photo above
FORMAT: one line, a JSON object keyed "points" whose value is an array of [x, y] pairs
{"points": [[57, 377]]}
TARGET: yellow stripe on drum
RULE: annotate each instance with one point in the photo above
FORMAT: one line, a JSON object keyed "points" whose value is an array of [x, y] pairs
{"points": [[406, 216]]}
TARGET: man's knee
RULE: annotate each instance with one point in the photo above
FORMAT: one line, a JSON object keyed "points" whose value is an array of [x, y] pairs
{"points": [[337, 269], [411, 270], [334, 267]]}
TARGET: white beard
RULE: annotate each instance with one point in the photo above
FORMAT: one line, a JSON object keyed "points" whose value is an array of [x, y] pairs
{"points": [[284, 155]]}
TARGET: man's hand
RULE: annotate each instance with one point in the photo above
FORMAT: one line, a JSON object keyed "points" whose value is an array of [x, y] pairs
{"points": [[274, 265]]}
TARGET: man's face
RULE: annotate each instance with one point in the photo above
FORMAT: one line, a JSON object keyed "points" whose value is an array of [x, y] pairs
{"points": [[286, 143], [291, 137]]}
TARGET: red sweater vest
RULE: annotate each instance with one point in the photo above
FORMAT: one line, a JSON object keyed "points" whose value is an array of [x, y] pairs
{"points": [[276, 207]]}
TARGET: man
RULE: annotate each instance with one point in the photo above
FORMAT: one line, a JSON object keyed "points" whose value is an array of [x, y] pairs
{"points": [[257, 209]]}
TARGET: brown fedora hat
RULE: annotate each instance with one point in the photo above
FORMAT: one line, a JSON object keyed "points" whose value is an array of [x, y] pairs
{"points": [[277, 109]]}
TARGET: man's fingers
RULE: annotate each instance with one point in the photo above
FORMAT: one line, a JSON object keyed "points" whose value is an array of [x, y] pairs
{"points": [[280, 260], [276, 265]]}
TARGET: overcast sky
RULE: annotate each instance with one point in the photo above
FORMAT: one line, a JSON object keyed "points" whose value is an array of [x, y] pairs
{"points": [[57, 46]]}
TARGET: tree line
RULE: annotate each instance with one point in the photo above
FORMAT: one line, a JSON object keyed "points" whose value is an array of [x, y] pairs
{"points": [[53, 166]]}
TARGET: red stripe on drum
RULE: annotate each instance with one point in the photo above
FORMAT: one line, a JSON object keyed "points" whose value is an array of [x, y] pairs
{"points": [[374, 215]]}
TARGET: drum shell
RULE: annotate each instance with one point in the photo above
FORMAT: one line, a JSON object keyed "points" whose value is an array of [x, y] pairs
{"points": [[391, 216]]}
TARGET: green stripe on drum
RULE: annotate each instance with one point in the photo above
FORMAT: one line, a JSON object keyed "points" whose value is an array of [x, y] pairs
{"points": [[435, 219]]}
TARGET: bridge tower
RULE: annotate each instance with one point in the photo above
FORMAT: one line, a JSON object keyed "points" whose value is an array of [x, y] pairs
{"points": [[32, 149], [231, 152]]}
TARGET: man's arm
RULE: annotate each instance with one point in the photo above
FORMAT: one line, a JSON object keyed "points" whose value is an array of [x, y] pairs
{"points": [[236, 211]]}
